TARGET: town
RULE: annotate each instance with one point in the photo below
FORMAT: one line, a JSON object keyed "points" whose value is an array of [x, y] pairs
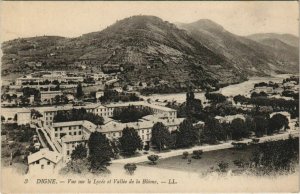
{"points": [[49, 119]]}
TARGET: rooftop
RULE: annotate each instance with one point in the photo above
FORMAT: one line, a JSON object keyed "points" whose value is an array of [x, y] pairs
{"points": [[139, 103], [86, 124], [44, 153], [71, 138], [141, 124], [50, 92]]}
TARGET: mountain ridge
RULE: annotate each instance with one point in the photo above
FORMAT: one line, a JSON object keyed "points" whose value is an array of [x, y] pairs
{"points": [[249, 55], [149, 48]]}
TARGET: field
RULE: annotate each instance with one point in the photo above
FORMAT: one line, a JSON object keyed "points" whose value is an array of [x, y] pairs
{"points": [[208, 160]]}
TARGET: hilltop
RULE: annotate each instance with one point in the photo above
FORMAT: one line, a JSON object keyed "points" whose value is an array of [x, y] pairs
{"points": [[254, 55], [201, 54]]}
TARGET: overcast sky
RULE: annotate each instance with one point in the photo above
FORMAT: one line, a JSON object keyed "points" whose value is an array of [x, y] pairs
{"points": [[71, 19]]}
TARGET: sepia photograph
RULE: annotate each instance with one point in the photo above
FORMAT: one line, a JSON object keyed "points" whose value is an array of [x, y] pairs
{"points": [[149, 96]]}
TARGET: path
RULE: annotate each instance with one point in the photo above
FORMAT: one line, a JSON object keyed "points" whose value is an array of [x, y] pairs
{"points": [[54, 148], [205, 148]]}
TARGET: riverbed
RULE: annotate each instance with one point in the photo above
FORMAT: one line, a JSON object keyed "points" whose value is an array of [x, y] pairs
{"points": [[231, 90]]}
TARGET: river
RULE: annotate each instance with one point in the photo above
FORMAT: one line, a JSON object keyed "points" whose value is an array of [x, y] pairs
{"points": [[231, 90]]}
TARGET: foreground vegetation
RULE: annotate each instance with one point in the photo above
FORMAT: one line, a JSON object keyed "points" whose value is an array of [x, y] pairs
{"points": [[268, 158]]}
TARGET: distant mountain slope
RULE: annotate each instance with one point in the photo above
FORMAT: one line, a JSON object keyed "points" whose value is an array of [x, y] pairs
{"points": [[253, 57], [286, 38], [148, 48]]}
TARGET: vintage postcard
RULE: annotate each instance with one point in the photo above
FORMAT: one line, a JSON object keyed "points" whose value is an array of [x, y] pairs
{"points": [[149, 96]]}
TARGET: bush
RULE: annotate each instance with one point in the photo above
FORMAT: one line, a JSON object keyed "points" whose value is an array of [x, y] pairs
{"points": [[185, 155], [130, 168], [239, 163], [223, 166], [197, 154], [153, 158]]}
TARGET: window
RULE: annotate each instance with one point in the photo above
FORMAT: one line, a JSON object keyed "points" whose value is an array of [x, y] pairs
{"points": [[70, 133], [68, 152], [114, 134], [142, 137], [56, 134], [74, 133], [42, 166], [48, 163], [37, 162], [55, 129], [69, 128]]}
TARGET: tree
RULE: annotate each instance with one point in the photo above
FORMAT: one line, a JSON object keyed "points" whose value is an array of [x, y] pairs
{"points": [[35, 114], [276, 156], [79, 92], [131, 113], [130, 141], [57, 99], [213, 132], [100, 151], [16, 117], [153, 158], [78, 115], [277, 122], [215, 97], [185, 155], [239, 129], [55, 82], [160, 136], [130, 168], [115, 147], [192, 108], [75, 167], [261, 125], [187, 135], [79, 152], [197, 154]]}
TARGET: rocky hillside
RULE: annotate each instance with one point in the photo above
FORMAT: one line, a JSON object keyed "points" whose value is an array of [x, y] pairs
{"points": [[148, 48], [151, 50], [260, 57]]}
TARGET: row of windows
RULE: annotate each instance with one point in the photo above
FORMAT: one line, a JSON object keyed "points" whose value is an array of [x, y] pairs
{"points": [[48, 123], [49, 118], [70, 133], [120, 134], [70, 128], [38, 162]]}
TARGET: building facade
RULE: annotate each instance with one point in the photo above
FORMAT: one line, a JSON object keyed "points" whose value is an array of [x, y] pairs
{"points": [[43, 161]]}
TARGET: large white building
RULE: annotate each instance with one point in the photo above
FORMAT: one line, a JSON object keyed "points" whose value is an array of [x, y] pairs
{"points": [[60, 76], [107, 110], [73, 133], [48, 96]]}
